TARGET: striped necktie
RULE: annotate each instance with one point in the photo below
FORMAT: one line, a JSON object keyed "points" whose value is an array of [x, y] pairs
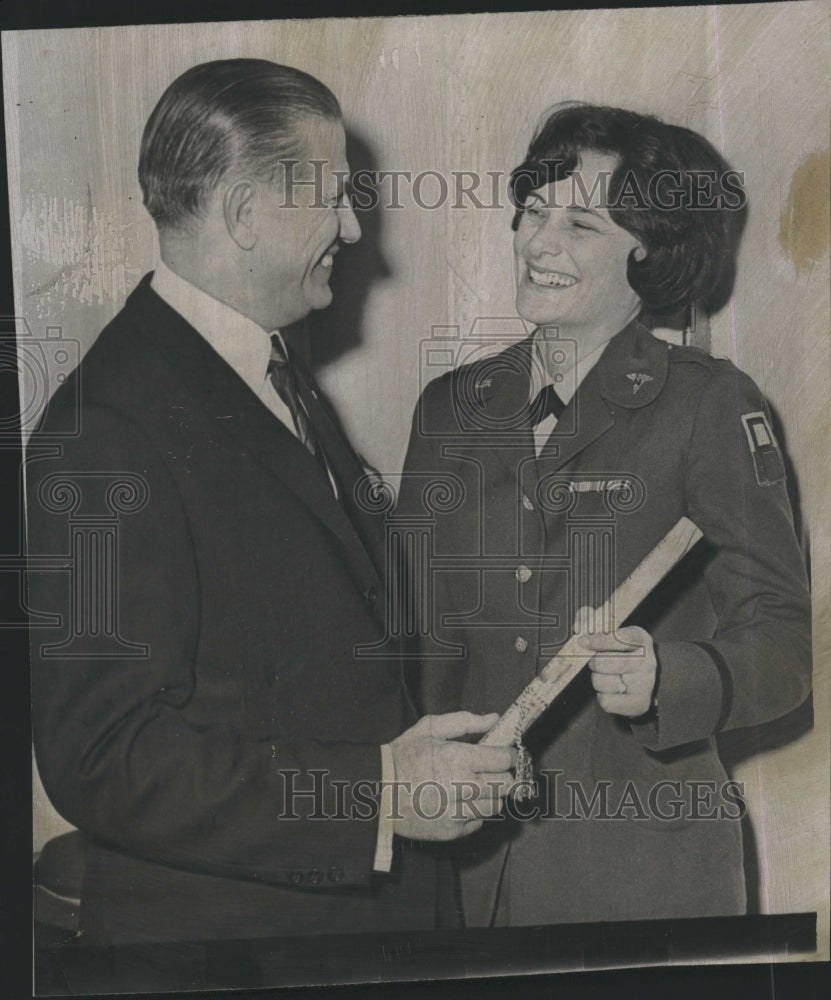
{"points": [[284, 380]]}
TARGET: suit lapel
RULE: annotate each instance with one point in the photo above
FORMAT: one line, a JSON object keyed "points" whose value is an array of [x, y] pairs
{"points": [[629, 374], [236, 411], [347, 466], [498, 395], [585, 418]]}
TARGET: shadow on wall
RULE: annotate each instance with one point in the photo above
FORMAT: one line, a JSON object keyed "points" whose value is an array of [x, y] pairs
{"points": [[327, 335], [744, 744]]}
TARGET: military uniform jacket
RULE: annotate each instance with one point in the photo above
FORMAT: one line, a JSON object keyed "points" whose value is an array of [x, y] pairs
{"points": [[653, 433], [174, 726]]}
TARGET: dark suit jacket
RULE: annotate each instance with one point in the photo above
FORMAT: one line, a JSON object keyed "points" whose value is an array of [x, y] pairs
{"points": [[731, 624], [244, 587]]}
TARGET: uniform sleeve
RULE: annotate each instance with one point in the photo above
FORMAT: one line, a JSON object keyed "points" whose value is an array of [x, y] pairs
{"points": [[757, 665], [118, 753]]}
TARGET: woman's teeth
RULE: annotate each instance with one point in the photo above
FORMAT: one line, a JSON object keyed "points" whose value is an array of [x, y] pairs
{"points": [[551, 278], [327, 260]]}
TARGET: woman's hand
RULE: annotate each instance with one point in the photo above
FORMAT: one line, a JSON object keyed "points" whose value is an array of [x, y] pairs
{"points": [[624, 672]]}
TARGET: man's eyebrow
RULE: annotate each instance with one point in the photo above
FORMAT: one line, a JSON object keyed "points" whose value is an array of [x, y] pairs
{"points": [[342, 185]]}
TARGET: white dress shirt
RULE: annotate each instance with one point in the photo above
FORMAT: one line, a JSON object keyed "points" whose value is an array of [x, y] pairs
{"points": [[239, 341], [246, 348]]}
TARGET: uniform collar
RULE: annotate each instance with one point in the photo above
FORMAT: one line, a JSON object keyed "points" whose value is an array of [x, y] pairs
{"points": [[633, 368], [564, 385], [630, 370], [501, 374]]}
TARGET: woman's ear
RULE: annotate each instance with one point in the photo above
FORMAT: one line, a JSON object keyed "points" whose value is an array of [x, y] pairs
{"points": [[240, 217], [640, 252]]}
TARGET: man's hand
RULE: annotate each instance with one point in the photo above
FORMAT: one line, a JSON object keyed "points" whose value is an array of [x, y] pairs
{"points": [[625, 672], [445, 788]]}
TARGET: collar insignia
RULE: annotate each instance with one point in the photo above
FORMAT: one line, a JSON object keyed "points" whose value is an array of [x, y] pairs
{"points": [[638, 379]]}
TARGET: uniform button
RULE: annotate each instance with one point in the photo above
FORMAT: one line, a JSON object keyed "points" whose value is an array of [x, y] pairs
{"points": [[297, 878], [371, 597], [523, 574], [335, 874], [315, 877], [526, 502], [520, 644]]}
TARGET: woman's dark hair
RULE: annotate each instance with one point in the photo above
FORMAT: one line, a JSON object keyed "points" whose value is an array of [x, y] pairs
{"points": [[671, 190], [216, 114]]}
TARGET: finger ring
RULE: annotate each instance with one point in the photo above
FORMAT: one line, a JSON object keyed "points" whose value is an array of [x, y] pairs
{"points": [[622, 684]]}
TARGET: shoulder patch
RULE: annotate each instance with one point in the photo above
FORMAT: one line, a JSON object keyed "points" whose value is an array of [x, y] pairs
{"points": [[764, 448]]}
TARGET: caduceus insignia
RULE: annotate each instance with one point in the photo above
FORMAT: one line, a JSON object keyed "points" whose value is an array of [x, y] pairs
{"points": [[638, 379]]}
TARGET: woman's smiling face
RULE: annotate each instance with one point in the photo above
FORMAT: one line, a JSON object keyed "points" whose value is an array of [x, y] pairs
{"points": [[571, 257]]}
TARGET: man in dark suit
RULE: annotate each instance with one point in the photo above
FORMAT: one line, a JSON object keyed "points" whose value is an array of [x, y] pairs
{"points": [[201, 710], [574, 452]]}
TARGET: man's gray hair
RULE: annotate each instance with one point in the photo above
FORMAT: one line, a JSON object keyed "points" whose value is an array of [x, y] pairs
{"points": [[215, 115]]}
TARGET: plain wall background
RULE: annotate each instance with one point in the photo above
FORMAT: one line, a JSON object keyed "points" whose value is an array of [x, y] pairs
{"points": [[463, 93]]}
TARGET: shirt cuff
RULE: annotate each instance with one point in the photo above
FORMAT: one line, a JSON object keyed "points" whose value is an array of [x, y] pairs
{"points": [[383, 845]]}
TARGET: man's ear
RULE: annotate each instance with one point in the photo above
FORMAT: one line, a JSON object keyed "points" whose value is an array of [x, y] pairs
{"points": [[238, 208]]}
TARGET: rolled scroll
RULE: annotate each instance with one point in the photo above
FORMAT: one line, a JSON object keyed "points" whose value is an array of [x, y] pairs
{"points": [[561, 670]]}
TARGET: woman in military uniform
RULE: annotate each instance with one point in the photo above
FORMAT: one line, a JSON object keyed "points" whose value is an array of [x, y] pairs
{"points": [[570, 455]]}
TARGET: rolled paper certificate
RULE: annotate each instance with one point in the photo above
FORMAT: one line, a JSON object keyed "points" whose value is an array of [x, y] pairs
{"points": [[561, 670]]}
